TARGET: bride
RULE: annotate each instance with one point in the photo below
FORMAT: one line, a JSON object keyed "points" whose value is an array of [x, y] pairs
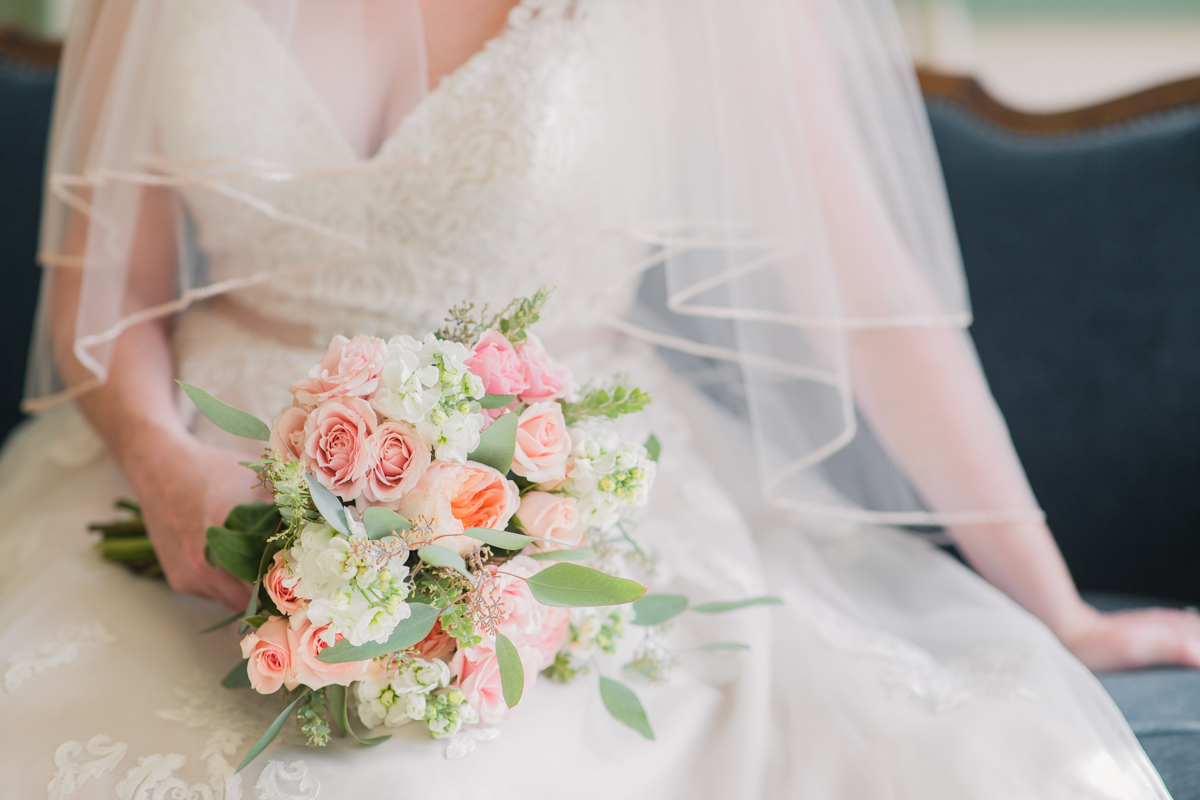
{"points": [[739, 204]]}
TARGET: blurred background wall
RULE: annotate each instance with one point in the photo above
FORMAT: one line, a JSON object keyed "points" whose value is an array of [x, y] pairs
{"points": [[1033, 54]]}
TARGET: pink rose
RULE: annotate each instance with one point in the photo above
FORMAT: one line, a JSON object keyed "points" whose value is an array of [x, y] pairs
{"points": [[520, 614], [306, 642], [396, 460], [287, 432], [498, 365], [478, 673], [547, 380], [335, 438], [454, 497], [270, 664], [543, 444], [551, 516], [556, 625], [438, 644], [350, 368], [281, 586]]}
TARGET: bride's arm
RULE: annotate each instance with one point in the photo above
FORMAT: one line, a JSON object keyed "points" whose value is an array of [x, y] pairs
{"points": [[183, 485]]}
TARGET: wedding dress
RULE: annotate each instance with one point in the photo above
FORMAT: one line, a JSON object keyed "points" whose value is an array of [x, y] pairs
{"points": [[890, 670]]}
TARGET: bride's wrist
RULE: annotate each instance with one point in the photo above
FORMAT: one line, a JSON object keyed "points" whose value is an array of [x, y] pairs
{"points": [[149, 450]]}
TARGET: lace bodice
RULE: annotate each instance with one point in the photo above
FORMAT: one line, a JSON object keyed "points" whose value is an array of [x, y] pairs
{"points": [[481, 193]]}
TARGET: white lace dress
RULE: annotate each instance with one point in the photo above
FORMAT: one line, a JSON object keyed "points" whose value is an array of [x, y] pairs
{"points": [[890, 672]]}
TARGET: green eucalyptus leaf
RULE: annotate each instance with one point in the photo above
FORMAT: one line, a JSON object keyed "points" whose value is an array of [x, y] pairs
{"points": [[341, 718], [563, 555], [407, 633], [257, 621], [623, 704], [238, 552], [252, 606], [655, 609], [573, 586], [734, 605], [512, 671], [327, 503], [238, 677], [494, 401], [272, 731], [257, 517], [497, 444], [653, 447], [226, 417], [723, 646], [223, 623], [381, 522], [505, 540], [438, 556]]}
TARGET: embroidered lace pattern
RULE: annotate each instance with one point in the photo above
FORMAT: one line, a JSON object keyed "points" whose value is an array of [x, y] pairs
{"points": [[70, 773], [65, 648]]}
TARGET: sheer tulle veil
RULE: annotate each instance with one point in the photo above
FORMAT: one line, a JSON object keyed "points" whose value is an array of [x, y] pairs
{"points": [[765, 167]]}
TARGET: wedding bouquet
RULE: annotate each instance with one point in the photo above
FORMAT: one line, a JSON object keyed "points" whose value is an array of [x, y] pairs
{"points": [[434, 501]]}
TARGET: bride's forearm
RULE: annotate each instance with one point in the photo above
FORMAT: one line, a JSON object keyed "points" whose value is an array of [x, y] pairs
{"points": [[925, 395]]}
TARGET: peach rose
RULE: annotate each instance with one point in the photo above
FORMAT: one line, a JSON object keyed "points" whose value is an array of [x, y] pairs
{"points": [[335, 438], [551, 516], [287, 432], [497, 364], [306, 641], [543, 444], [547, 380], [349, 368], [270, 664], [396, 460], [478, 673], [438, 644], [281, 586], [556, 625], [520, 614], [454, 497]]}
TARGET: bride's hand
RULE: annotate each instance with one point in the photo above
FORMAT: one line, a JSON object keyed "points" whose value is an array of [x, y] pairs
{"points": [[184, 486], [1135, 639]]}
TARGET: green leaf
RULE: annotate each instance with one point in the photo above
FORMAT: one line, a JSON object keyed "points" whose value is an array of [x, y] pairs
{"points": [[223, 623], [623, 704], [734, 605], [505, 540], [494, 401], [238, 677], [512, 671], [439, 556], [257, 517], [238, 552], [327, 503], [573, 586], [497, 444], [723, 646], [380, 523], [653, 448], [407, 633], [563, 555], [226, 417], [340, 715], [257, 621], [272, 731], [655, 609]]}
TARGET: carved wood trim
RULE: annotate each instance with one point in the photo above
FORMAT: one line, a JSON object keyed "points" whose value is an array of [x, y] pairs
{"points": [[18, 48], [968, 93]]}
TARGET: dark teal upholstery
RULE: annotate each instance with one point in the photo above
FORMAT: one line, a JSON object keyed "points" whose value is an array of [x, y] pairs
{"points": [[25, 98], [1083, 257]]}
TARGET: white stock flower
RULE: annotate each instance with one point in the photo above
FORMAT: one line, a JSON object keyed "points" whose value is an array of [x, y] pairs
{"points": [[422, 677], [607, 473], [380, 704]]}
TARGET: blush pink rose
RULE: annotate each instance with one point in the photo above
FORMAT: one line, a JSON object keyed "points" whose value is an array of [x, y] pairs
{"points": [[281, 586], [551, 516], [497, 364], [478, 673], [454, 497], [306, 642], [438, 644], [396, 460], [335, 439], [543, 444], [547, 380], [287, 432], [556, 626], [270, 657], [520, 614], [349, 368]]}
